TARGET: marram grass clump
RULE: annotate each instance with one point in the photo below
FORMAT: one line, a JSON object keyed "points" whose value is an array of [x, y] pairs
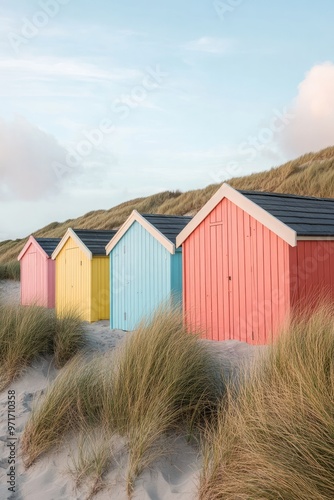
{"points": [[91, 460], [10, 271], [161, 378], [73, 400], [25, 333], [68, 337], [29, 332], [275, 439]]}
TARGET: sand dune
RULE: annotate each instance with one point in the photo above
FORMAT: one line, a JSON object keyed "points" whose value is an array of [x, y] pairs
{"points": [[173, 477]]}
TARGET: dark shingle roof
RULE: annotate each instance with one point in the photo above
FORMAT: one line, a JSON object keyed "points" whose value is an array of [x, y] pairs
{"points": [[94, 240], [48, 244], [308, 216], [169, 225]]}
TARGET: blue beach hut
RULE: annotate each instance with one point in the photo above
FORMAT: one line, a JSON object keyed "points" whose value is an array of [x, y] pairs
{"points": [[145, 267]]}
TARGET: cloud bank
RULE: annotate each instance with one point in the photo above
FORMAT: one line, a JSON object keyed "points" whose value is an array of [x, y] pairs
{"points": [[27, 155], [312, 127]]}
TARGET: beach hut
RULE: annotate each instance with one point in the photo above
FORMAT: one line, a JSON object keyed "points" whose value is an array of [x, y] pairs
{"points": [[82, 274], [37, 271], [252, 258], [145, 267]]}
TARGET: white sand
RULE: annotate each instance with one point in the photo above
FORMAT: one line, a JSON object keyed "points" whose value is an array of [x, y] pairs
{"points": [[173, 477], [10, 291]]}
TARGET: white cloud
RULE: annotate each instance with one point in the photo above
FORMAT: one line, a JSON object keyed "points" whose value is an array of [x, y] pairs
{"points": [[26, 161], [210, 45], [312, 127]]}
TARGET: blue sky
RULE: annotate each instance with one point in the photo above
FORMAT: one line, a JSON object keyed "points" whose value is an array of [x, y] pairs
{"points": [[103, 101]]}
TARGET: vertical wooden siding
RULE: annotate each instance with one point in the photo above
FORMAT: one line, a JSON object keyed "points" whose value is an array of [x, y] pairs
{"points": [[140, 277], [312, 273], [100, 288], [236, 277], [34, 278], [176, 278], [73, 281], [51, 284]]}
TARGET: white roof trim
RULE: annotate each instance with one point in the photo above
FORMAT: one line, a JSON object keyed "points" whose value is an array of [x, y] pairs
{"points": [[225, 191], [315, 238], [32, 241], [136, 217], [71, 234]]}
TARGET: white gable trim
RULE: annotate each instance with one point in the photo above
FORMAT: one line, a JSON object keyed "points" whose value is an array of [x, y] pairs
{"points": [[32, 241], [136, 217], [225, 191], [71, 234]]}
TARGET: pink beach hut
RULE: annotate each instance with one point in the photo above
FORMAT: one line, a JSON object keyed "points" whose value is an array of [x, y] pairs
{"points": [[38, 272], [251, 259]]}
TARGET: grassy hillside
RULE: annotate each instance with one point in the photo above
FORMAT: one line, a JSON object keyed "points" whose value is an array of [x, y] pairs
{"points": [[311, 174]]}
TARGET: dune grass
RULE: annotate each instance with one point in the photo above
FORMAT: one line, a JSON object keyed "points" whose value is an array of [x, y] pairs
{"points": [[160, 378], [163, 377], [73, 400], [68, 337], [275, 439], [270, 436], [10, 271], [91, 459], [25, 333], [29, 332]]}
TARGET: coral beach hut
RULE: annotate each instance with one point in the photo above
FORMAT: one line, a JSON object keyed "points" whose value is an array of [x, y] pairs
{"points": [[251, 258], [82, 274], [37, 271], [145, 267]]}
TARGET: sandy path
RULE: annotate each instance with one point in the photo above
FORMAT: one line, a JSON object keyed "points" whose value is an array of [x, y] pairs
{"points": [[100, 337], [174, 477], [10, 291]]}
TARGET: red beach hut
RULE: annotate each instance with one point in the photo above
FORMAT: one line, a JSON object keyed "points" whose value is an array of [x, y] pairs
{"points": [[251, 258], [38, 272]]}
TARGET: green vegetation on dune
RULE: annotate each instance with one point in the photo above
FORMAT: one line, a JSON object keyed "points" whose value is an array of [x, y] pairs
{"points": [[268, 436], [29, 332], [161, 378], [275, 438], [311, 174], [10, 270]]}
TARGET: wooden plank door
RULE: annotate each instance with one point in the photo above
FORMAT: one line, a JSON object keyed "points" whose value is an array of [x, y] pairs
{"points": [[220, 282], [31, 275]]}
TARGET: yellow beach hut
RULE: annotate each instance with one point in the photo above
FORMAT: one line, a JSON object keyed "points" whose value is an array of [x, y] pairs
{"points": [[82, 274]]}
